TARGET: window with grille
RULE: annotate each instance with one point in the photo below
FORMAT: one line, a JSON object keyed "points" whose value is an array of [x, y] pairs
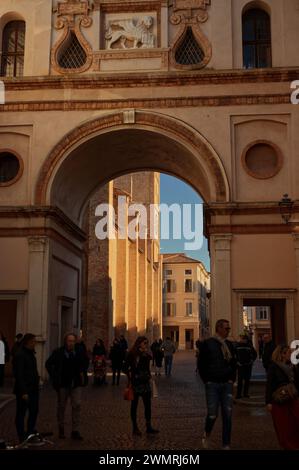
{"points": [[256, 39], [72, 55], [170, 285], [13, 47], [189, 51]]}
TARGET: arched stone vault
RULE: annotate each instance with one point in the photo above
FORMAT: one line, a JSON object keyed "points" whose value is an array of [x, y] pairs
{"points": [[104, 148]]}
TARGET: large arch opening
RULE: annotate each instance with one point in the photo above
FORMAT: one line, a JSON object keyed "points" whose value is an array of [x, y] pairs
{"points": [[103, 149]]}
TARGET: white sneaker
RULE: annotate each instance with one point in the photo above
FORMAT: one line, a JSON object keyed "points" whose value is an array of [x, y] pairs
{"points": [[205, 441], [226, 448]]}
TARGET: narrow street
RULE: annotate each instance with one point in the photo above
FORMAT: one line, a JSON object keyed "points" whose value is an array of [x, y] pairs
{"points": [[178, 412]]}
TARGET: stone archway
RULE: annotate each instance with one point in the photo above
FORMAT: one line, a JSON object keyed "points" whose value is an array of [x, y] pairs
{"points": [[102, 149]]}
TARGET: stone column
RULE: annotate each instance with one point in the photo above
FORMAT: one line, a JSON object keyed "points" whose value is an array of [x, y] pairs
{"points": [[221, 299], [38, 286]]}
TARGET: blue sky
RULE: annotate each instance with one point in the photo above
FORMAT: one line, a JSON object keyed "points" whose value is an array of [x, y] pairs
{"points": [[173, 190]]}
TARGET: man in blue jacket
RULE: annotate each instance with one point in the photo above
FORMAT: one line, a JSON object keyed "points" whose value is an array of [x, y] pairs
{"points": [[217, 368]]}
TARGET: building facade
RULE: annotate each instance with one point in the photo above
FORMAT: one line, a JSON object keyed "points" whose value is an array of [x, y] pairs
{"points": [[200, 89], [122, 276], [185, 301]]}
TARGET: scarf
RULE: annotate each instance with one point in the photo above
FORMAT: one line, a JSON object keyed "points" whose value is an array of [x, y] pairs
{"points": [[224, 347]]}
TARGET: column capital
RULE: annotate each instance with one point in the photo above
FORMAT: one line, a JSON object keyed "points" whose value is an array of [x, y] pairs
{"points": [[296, 240], [37, 244], [222, 241]]}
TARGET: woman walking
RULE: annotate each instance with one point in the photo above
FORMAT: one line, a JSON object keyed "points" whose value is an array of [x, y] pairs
{"points": [[116, 357], [139, 376], [282, 397]]}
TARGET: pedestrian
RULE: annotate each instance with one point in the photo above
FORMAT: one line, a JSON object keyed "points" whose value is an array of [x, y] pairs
{"points": [[268, 349], [159, 358], [260, 346], [4, 357], [168, 349], [81, 347], [26, 387], [282, 397], [99, 349], [17, 344], [139, 377], [217, 368], [158, 355], [66, 370], [116, 357], [246, 355]]}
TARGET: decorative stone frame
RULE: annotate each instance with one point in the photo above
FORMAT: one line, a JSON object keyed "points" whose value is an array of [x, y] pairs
{"points": [[183, 15], [136, 7], [21, 167], [269, 175], [70, 17], [289, 295]]}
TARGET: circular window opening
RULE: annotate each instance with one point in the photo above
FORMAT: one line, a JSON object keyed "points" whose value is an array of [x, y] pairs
{"points": [[9, 168], [262, 160]]}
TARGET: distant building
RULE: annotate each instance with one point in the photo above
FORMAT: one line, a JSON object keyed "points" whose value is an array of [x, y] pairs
{"points": [[257, 320], [186, 284]]}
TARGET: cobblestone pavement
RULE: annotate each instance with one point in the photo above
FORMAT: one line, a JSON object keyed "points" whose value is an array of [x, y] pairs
{"points": [[178, 412]]}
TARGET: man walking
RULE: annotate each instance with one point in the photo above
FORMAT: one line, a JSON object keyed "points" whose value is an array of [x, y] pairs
{"points": [[66, 367], [217, 368], [26, 387], [269, 347], [2, 362], [168, 349], [246, 355]]}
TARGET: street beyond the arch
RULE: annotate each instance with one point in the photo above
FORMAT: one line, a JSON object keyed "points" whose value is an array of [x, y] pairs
{"points": [[179, 413]]}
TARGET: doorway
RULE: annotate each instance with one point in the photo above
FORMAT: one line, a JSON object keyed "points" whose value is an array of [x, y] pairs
{"points": [[189, 339], [8, 321]]}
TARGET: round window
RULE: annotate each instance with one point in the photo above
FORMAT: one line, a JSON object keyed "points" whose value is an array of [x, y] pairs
{"points": [[10, 168], [262, 160]]}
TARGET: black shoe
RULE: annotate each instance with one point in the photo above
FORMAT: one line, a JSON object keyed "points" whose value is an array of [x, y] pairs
{"points": [[246, 396], [76, 436], [61, 434], [151, 430], [137, 432]]}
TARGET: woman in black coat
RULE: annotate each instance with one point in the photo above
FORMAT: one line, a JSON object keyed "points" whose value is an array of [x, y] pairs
{"points": [[281, 376], [116, 356], [139, 376]]}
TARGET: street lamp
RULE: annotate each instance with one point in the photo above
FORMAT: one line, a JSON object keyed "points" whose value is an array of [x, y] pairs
{"points": [[286, 208]]}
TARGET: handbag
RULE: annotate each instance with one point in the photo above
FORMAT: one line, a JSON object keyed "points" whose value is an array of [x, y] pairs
{"points": [[129, 393], [285, 393]]}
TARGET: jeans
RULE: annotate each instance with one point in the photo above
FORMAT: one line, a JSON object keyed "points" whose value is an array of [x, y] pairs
{"points": [[168, 364], [244, 375], [63, 395], [219, 394], [116, 374], [22, 406], [146, 397]]}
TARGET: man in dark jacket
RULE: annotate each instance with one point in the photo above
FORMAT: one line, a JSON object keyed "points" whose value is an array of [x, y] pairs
{"points": [[217, 368], [246, 355], [66, 370], [26, 386], [269, 347]]}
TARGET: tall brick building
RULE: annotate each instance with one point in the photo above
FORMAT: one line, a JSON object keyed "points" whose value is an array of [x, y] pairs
{"points": [[122, 284]]}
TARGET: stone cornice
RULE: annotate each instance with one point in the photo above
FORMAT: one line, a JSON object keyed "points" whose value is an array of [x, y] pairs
{"points": [[246, 208], [54, 213], [146, 103], [150, 79]]}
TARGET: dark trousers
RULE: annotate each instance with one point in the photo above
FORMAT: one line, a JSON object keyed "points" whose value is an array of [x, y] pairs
{"points": [[219, 394], [168, 364], [244, 376], [116, 374], [2, 367], [146, 397], [22, 406]]}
